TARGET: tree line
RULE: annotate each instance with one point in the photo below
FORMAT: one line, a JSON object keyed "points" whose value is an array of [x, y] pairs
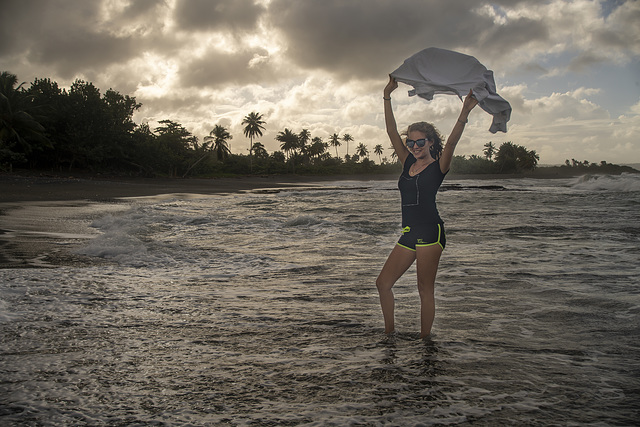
{"points": [[508, 158], [49, 128], [45, 127]]}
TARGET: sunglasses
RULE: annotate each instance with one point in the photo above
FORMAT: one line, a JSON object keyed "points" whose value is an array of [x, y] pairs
{"points": [[420, 142]]}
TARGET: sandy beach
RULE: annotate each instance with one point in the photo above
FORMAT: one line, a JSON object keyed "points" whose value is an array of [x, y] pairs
{"points": [[17, 188]]}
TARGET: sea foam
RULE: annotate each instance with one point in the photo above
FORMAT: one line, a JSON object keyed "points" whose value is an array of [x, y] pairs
{"points": [[117, 240], [619, 183]]}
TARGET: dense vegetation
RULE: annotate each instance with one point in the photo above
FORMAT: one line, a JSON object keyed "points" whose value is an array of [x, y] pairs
{"points": [[44, 127], [510, 158]]}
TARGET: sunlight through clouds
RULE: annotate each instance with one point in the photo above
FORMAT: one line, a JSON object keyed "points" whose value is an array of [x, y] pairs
{"points": [[160, 75]]}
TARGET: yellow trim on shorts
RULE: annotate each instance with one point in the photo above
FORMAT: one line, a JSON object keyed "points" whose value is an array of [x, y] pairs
{"points": [[406, 247], [437, 242], [430, 244]]}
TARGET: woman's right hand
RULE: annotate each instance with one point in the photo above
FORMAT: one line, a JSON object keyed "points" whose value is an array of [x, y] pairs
{"points": [[391, 86]]}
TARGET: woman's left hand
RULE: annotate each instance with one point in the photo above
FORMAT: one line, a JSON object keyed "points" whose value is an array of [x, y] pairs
{"points": [[469, 102]]}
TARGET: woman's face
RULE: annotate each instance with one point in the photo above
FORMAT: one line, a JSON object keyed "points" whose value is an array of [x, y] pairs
{"points": [[419, 152]]}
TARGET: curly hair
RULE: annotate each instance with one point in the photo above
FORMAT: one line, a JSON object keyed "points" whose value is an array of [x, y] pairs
{"points": [[432, 134]]}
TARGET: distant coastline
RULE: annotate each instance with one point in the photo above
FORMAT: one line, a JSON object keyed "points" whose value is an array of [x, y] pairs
{"points": [[555, 172]]}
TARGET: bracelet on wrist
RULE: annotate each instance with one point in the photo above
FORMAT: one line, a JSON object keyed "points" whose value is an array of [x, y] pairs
{"points": [[386, 99], [464, 122]]}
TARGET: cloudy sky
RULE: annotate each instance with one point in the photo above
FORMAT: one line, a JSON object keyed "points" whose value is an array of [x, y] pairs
{"points": [[569, 68]]}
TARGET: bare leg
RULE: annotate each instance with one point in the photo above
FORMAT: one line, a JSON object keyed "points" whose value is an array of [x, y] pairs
{"points": [[399, 260], [428, 258]]}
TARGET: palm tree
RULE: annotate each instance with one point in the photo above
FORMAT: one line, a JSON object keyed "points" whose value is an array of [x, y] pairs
{"points": [[506, 157], [347, 138], [254, 127], [489, 150], [216, 142], [303, 139], [515, 158], [394, 154], [528, 159], [317, 147], [289, 144], [260, 151], [334, 140], [219, 136], [17, 124], [378, 150], [362, 150]]}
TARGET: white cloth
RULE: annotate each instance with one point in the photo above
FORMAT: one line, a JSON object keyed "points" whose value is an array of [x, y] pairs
{"points": [[435, 70]]}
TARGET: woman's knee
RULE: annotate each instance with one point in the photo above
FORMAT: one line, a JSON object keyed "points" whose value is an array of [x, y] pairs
{"points": [[425, 288], [383, 285]]}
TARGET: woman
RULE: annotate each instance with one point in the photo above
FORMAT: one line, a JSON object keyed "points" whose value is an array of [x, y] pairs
{"points": [[423, 239]]}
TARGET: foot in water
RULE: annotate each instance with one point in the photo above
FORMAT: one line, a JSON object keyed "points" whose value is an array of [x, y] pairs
{"points": [[389, 338]]}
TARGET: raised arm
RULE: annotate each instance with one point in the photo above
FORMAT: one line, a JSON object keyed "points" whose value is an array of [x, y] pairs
{"points": [[390, 122], [447, 153]]}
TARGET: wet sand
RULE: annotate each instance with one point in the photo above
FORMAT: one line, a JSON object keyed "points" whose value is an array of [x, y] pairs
{"points": [[31, 187], [16, 188]]}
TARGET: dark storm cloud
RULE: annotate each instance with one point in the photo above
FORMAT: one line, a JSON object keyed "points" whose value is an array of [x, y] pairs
{"points": [[10, 17], [366, 38], [499, 40], [625, 31], [60, 34], [585, 60], [513, 3], [24, 22], [78, 49], [217, 68], [140, 8], [203, 15]]}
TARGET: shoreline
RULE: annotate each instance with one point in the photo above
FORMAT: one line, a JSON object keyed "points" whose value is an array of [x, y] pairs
{"points": [[27, 187], [42, 217]]}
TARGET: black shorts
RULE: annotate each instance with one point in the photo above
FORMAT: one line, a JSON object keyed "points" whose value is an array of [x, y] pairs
{"points": [[423, 235]]}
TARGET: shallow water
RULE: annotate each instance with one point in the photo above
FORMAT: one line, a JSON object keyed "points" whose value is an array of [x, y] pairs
{"points": [[260, 309]]}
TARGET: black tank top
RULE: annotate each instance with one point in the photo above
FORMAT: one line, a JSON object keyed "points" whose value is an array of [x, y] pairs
{"points": [[418, 194]]}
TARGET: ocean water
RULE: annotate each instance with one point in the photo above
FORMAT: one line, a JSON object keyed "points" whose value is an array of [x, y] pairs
{"points": [[260, 308]]}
